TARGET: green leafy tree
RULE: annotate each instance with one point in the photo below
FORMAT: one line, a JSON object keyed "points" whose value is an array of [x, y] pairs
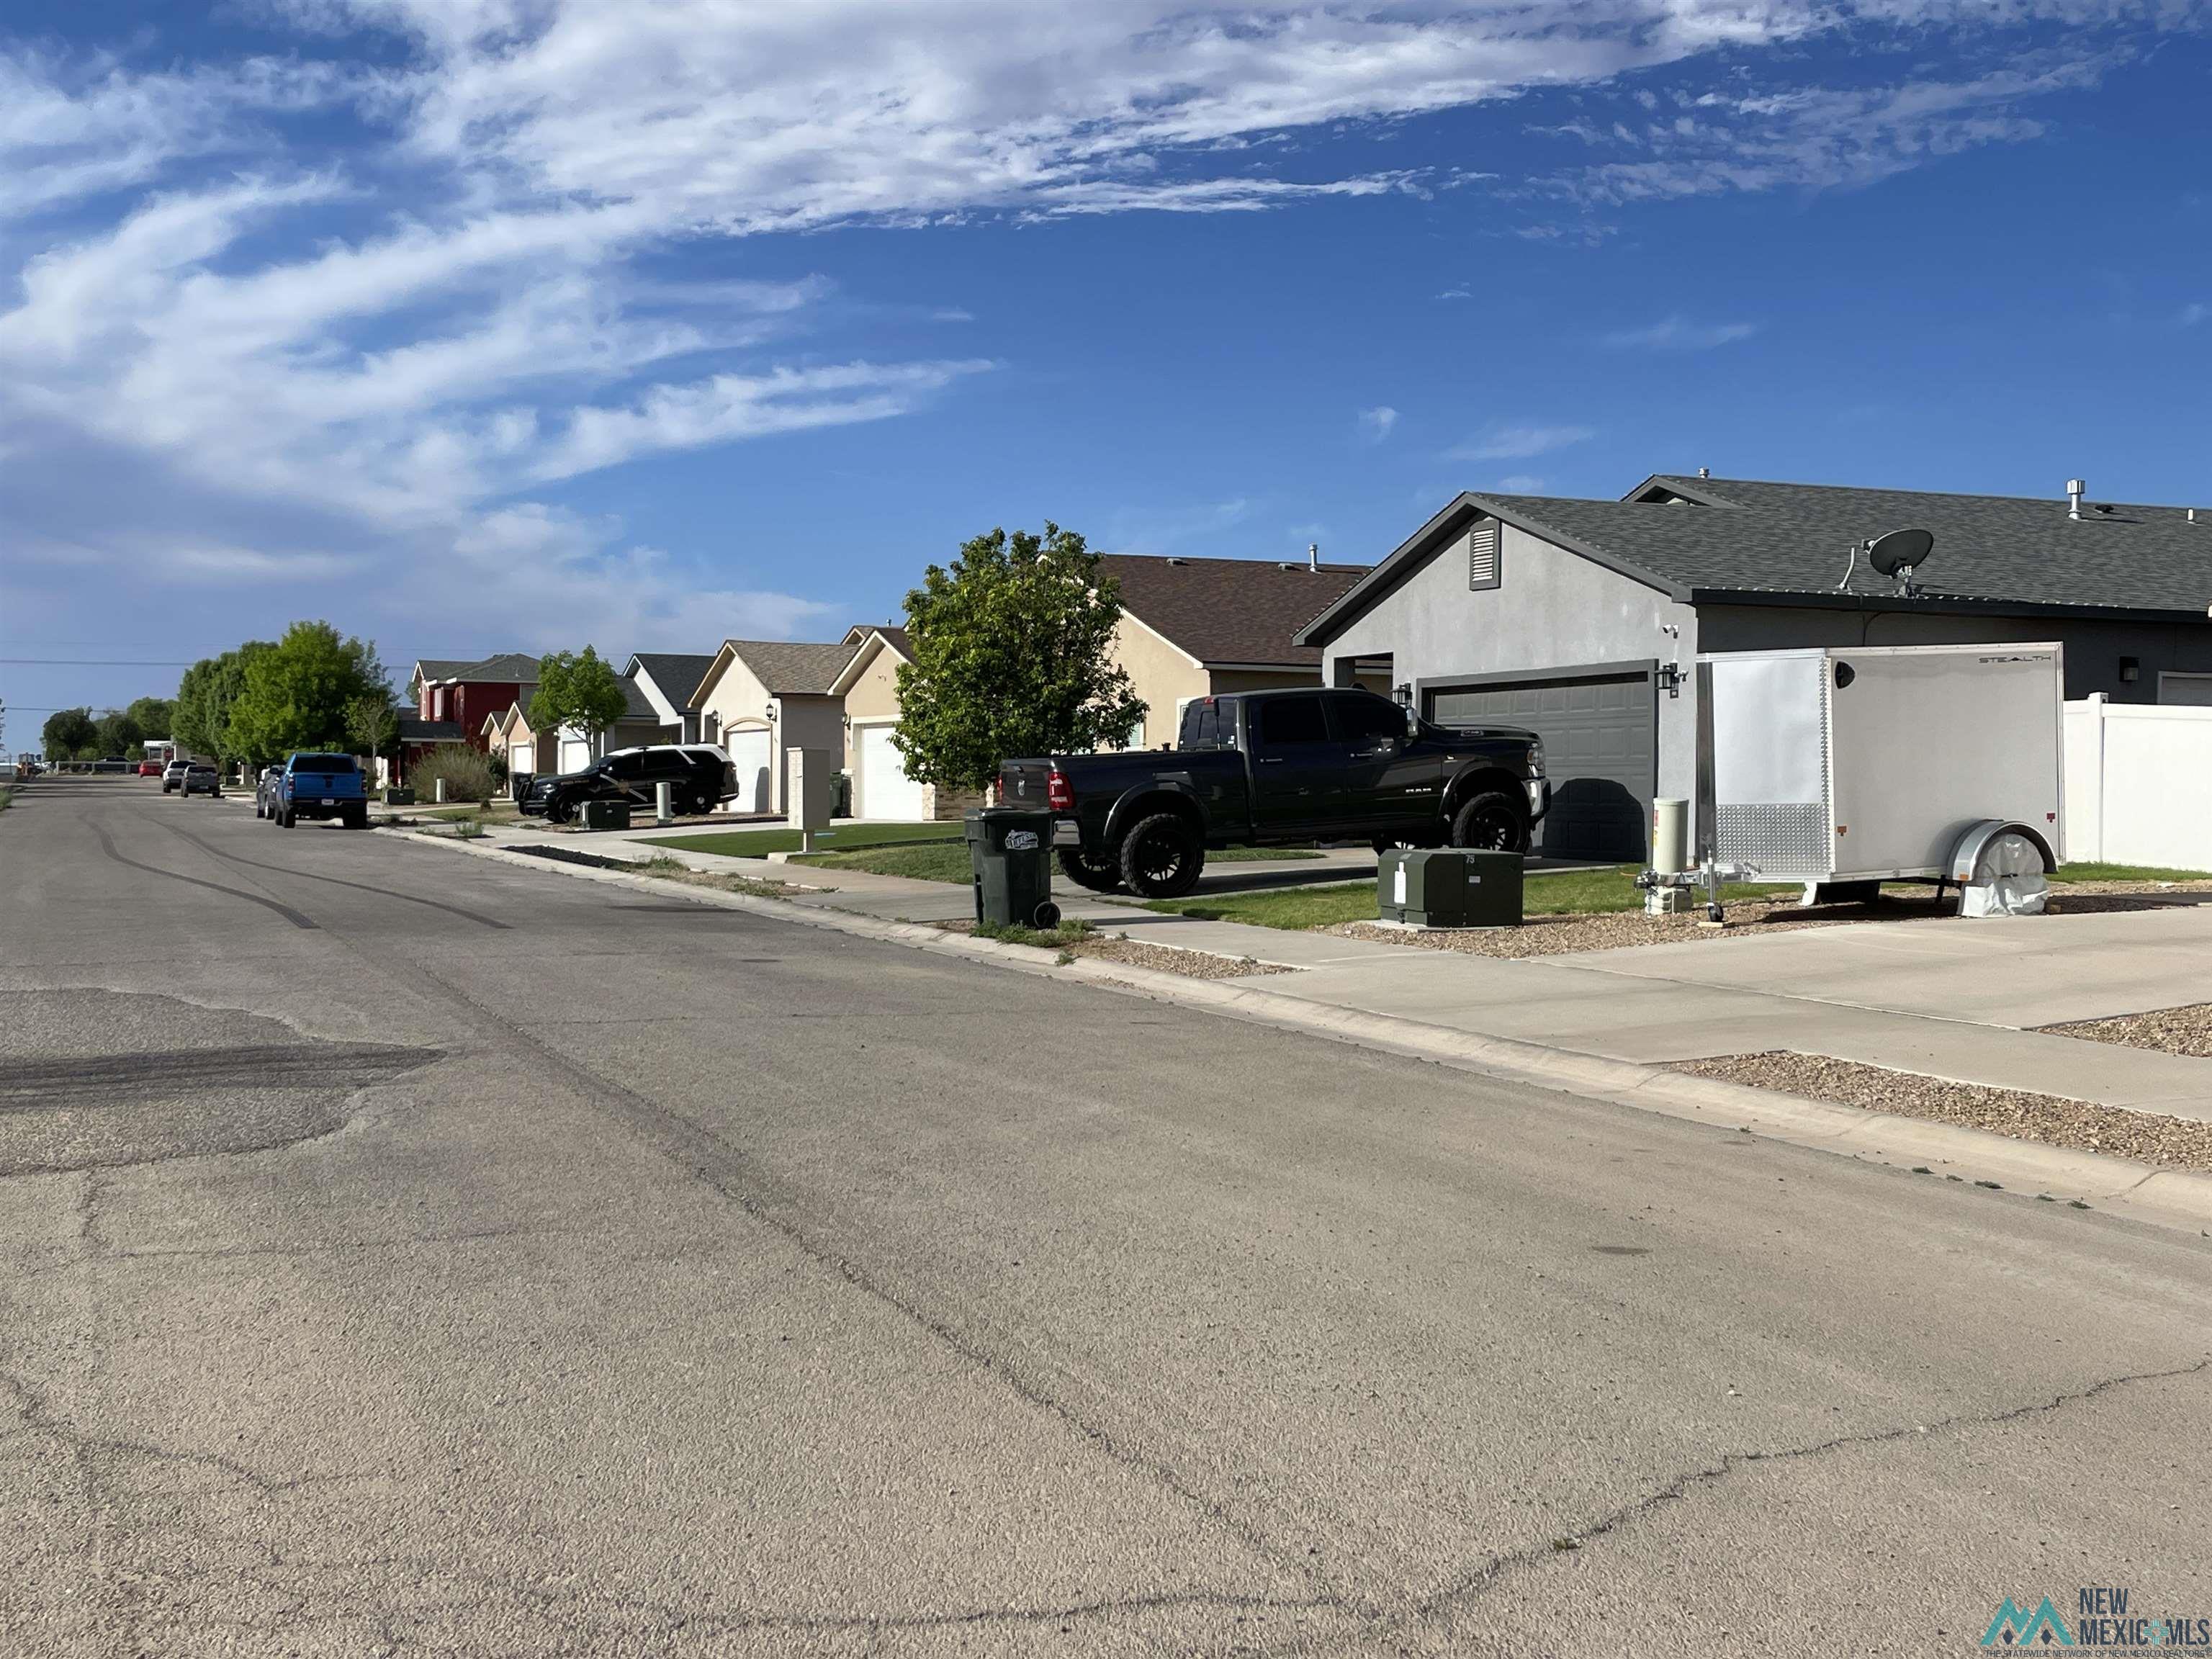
{"points": [[296, 693], [200, 721], [1012, 654], [68, 734], [154, 716], [373, 722], [579, 689], [118, 733]]}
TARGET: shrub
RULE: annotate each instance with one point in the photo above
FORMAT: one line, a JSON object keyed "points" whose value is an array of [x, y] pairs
{"points": [[467, 773]]}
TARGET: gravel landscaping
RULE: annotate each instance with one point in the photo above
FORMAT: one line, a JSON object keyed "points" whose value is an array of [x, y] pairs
{"points": [[2181, 1143], [1173, 959], [2176, 1031]]}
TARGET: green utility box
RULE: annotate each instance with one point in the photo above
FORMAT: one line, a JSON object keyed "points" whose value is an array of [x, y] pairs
{"points": [[399, 796], [1451, 887], [605, 815], [1010, 850]]}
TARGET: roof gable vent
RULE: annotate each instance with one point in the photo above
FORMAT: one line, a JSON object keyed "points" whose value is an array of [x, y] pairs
{"points": [[1482, 555]]}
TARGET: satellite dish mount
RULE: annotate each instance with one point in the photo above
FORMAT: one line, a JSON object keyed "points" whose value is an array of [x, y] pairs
{"points": [[1896, 554]]}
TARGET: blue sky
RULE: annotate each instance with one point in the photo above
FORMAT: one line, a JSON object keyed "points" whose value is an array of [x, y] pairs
{"points": [[480, 324]]}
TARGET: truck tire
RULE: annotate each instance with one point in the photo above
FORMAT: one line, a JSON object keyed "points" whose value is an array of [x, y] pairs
{"points": [[356, 816], [559, 808], [1160, 856], [1100, 874], [286, 818], [1491, 822]]}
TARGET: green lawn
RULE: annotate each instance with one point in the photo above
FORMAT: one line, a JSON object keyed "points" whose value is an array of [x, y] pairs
{"points": [[2088, 871], [757, 843], [934, 861], [1563, 892]]}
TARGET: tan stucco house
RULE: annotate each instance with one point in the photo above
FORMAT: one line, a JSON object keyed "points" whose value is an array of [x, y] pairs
{"points": [[1196, 628], [762, 697], [869, 688]]}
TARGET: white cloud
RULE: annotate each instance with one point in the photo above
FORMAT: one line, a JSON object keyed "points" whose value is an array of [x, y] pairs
{"points": [[1519, 442], [1459, 293], [2195, 312], [1679, 333], [1519, 483], [1376, 424], [359, 343]]}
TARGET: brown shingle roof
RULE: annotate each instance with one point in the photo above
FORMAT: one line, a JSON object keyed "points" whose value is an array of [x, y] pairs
{"points": [[787, 669], [1231, 610]]}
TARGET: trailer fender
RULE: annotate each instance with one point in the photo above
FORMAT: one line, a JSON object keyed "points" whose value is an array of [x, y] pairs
{"points": [[1967, 852]]}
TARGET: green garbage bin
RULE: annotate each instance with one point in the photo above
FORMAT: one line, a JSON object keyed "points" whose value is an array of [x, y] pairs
{"points": [[1010, 850]]}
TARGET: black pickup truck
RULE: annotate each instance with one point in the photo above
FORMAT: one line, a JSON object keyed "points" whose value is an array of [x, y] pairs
{"points": [[1276, 767]]}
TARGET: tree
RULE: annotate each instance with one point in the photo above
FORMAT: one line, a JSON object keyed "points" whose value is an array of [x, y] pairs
{"points": [[68, 734], [154, 715], [201, 718], [373, 722], [118, 733], [1012, 654], [296, 692], [577, 689]]}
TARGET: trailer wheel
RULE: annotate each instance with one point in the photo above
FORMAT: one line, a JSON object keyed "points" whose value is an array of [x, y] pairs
{"points": [[1162, 857], [1491, 822]]}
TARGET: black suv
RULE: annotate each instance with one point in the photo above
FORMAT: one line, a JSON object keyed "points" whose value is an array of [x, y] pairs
{"points": [[699, 775]]}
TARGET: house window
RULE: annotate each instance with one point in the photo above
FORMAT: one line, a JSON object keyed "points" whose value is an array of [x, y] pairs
{"points": [[1482, 555]]}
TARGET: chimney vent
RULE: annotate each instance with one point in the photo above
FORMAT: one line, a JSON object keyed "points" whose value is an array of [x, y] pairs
{"points": [[2076, 489], [1313, 556], [1705, 472]]}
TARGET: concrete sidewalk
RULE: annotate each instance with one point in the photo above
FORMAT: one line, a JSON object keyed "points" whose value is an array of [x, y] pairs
{"points": [[1942, 997]]}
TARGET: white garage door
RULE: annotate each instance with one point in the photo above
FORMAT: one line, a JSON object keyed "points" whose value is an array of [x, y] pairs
{"points": [[522, 757], [885, 791], [576, 754], [750, 752]]}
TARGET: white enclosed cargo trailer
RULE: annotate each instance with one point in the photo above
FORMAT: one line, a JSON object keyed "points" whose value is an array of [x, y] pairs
{"points": [[1842, 766]]}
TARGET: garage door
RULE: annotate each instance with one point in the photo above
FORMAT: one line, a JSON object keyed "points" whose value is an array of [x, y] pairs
{"points": [[884, 789], [576, 754], [522, 758], [1601, 751], [750, 752]]}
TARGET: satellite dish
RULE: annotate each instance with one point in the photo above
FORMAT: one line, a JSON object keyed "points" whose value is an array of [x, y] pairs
{"points": [[1900, 550]]}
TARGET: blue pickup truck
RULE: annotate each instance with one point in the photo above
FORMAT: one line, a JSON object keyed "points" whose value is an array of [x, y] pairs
{"points": [[311, 786]]}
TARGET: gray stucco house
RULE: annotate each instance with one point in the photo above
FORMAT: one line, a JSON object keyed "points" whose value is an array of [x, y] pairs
{"points": [[1584, 619]]}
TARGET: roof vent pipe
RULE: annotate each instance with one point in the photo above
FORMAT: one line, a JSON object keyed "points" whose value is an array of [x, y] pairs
{"points": [[1705, 472], [1313, 556], [2076, 489]]}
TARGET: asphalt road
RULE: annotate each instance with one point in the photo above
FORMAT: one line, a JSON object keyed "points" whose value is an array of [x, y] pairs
{"points": [[403, 1253]]}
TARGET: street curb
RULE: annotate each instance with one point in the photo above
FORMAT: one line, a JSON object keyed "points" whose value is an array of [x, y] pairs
{"points": [[2113, 1186]]}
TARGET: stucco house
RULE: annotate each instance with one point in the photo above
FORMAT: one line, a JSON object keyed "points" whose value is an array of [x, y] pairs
{"points": [[667, 680], [761, 697], [869, 688], [1584, 619], [1195, 627]]}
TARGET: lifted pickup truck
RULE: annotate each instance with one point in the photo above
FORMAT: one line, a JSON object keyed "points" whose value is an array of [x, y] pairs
{"points": [[1265, 768], [319, 786]]}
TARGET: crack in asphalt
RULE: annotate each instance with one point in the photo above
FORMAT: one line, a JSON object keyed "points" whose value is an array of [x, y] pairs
{"points": [[1443, 1604]]}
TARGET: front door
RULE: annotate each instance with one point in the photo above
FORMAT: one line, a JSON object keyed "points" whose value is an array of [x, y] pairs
{"points": [[1297, 766]]}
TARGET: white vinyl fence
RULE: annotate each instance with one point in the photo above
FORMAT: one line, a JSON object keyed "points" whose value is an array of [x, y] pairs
{"points": [[2138, 784]]}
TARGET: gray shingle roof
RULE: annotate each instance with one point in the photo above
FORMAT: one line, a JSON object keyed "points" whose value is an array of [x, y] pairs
{"points": [[1231, 610], [1749, 537], [509, 667], [787, 669], [676, 674], [438, 668]]}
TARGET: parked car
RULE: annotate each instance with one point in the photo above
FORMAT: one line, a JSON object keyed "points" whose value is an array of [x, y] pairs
{"points": [[149, 768], [173, 775], [201, 779], [265, 793], [1267, 767], [699, 776], [319, 786]]}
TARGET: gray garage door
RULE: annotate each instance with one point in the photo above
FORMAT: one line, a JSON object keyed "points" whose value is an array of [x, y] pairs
{"points": [[1601, 749]]}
